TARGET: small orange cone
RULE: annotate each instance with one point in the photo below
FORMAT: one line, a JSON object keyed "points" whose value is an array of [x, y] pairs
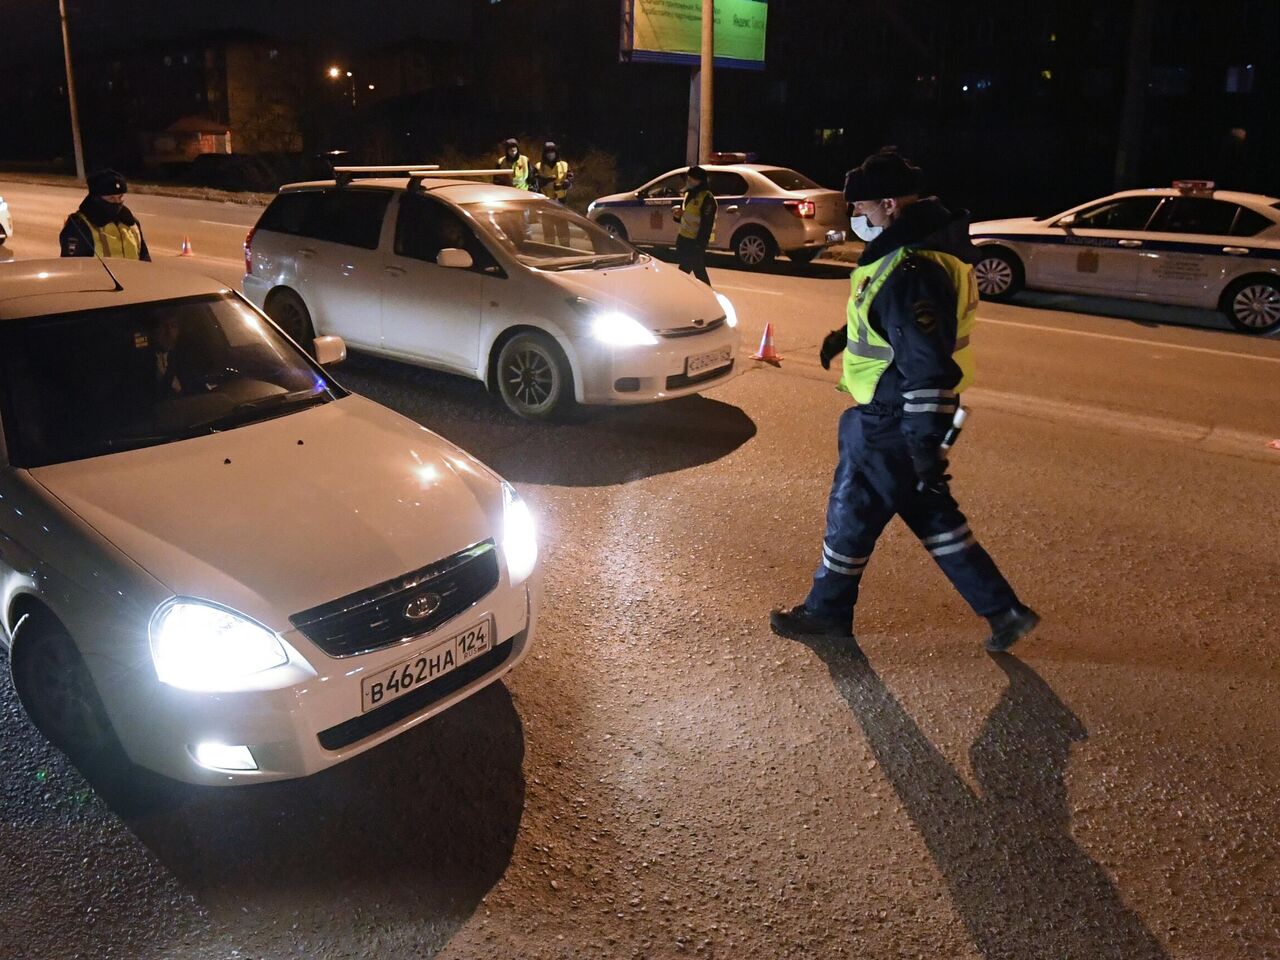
{"points": [[186, 250], [767, 351]]}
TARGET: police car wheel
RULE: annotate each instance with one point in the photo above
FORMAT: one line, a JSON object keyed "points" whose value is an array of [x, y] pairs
{"points": [[754, 248], [998, 273], [613, 227], [533, 377], [289, 312], [1253, 305]]}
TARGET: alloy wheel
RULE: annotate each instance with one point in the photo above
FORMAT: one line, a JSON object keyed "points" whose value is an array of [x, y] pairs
{"points": [[752, 249], [530, 376], [994, 276], [1257, 306]]}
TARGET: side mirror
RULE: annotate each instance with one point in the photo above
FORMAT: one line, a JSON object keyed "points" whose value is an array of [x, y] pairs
{"points": [[454, 259], [329, 350], [1066, 221]]}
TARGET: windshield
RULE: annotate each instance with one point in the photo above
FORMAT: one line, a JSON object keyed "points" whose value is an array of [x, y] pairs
{"points": [[83, 384], [548, 236], [789, 179]]}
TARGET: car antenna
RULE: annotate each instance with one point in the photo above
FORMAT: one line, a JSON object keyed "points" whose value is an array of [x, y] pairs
{"points": [[119, 287]]}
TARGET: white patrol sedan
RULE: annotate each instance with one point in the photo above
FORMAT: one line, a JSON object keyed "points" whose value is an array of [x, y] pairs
{"points": [[1188, 244], [761, 211]]}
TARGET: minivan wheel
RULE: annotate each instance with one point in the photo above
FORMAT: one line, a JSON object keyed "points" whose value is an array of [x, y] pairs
{"points": [[289, 312], [1252, 305], [998, 273], [754, 248], [56, 690], [534, 378]]}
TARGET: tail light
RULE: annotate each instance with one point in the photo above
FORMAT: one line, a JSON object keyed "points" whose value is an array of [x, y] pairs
{"points": [[804, 209], [248, 250]]}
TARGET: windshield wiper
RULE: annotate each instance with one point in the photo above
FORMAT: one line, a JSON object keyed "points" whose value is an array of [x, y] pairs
{"points": [[277, 404]]}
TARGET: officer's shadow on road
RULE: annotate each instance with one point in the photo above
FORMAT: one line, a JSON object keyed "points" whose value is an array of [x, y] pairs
{"points": [[1022, 885], [387, 854], [599, 446]]}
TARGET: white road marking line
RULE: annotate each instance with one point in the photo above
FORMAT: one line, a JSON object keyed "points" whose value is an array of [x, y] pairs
{"points": [[1143, 343], [222, 223], [767, 293]]}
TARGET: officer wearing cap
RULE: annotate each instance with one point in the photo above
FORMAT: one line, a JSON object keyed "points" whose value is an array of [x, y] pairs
{"points": [[104, 226], [697, 217], [906, 357], [515, 161]]}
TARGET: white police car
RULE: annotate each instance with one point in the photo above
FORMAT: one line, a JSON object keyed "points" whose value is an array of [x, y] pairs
{"points": [[1188, 244]]}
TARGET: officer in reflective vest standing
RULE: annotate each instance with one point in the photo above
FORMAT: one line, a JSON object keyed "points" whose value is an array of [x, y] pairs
{"points": [[104, 226], [515, 161], [906, 358], [697, 216], [553, 178]]}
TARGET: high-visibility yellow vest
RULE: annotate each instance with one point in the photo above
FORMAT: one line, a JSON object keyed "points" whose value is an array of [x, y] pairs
{"points": [[694, 210], [519, 168], [867, 354], [556, 172], [115, 239]]}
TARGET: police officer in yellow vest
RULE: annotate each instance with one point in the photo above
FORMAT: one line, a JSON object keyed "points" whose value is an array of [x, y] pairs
{"points": [[697, 216], [104, 226], [906, 357], [515, 161]]}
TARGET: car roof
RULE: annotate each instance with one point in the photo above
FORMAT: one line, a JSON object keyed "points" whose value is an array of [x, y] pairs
{"points": [[1231, 196], [459, 191], [32, 288]]}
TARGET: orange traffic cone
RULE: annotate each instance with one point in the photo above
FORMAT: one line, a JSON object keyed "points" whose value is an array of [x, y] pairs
{"points": [[186, 250], [767, 352]]}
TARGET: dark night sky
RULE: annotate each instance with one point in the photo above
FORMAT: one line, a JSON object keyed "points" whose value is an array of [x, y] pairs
{"points": [[29, 28]]}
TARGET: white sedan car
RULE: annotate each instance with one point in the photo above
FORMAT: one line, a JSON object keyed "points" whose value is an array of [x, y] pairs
{"points": [[489, 282], [1188, 244], [215, 558]]}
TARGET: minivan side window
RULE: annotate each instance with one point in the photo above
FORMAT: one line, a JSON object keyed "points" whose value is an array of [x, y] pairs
{"points": [[350, 216], [289, 212], [426, 226]]}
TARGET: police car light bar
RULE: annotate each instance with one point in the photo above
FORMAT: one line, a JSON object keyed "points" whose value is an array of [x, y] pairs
{"points": [[723, 157], [1193, 186]]}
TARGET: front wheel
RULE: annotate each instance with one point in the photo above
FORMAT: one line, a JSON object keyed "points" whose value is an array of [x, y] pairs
{"points": [[999, 274], [534, 377], [754, 248], [56, 690], [1252, 305]]}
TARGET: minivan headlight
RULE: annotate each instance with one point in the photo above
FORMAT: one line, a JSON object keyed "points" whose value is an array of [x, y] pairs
{"points": [[619, 330], [519, 536], [200, 646]]}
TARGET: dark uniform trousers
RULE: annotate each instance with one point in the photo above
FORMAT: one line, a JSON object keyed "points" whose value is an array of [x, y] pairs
{"points": [[691, 255], [875, 480]]}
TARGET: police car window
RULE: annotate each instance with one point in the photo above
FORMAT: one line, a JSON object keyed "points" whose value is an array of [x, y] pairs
{"points": [[1127, 213], [672, 186], [790, 180], [1249, 223], [352, 217], [288, 212], [426, 226], [725, 184], [1194, 215]]}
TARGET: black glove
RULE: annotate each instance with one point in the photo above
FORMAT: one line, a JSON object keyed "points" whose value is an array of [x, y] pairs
{"points": [[832, 346], [931, 470]]}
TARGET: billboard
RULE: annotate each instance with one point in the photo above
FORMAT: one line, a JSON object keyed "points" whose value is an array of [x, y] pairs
{"points": [[670, 31]]}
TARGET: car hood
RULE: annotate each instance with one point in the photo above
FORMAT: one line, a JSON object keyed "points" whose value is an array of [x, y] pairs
{"points": [[655, 293], [276, 517], [1013, 225]]}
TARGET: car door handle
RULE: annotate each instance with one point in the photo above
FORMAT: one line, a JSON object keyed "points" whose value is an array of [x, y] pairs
{"points": [[1130, 243], [307, 252], [733, 209], [1236, 251], [394, 271]]}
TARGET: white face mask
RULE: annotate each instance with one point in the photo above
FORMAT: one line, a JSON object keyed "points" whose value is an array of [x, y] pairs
{"points": [[863, 229]]}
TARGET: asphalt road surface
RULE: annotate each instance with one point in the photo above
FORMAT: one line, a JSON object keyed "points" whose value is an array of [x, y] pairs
{"points": [[663, 777]]}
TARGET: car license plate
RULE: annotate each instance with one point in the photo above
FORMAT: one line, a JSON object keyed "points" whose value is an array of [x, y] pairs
{"points": [[426, 665], [708, 361]]}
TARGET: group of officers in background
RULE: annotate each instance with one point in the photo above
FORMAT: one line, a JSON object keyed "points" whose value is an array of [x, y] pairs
{"points": [[550, 176]]}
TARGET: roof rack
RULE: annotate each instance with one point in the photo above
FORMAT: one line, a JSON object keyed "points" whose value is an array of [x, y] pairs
{"points": [[416, 172]]}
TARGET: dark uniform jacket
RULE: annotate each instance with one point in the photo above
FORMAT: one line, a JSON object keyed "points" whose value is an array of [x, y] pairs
{"points": [[76, 239]]}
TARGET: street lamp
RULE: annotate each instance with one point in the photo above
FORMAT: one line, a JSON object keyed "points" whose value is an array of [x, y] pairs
{"points": [[336, 73]]}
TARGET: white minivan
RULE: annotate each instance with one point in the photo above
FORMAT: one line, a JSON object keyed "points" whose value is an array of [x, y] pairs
{"points": [[215, 558], [541, 304]]}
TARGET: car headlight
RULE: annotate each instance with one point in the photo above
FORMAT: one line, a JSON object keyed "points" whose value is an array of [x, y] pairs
{"points": [[199, 646], [519, 536], [619, 330], [730, 314]]}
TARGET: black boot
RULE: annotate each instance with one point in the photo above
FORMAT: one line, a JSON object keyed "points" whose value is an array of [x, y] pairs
{"points": [[1011, 626], [799, 624]]}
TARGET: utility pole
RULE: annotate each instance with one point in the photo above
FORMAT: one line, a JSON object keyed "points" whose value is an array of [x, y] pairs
{"points": [[71, 93], [1129, 142], [705, 95]]}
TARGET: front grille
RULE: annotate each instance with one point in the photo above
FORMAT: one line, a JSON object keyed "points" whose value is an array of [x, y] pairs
{"points": [[675, 333], [378, 616], [684, 380], [375, 721]]}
